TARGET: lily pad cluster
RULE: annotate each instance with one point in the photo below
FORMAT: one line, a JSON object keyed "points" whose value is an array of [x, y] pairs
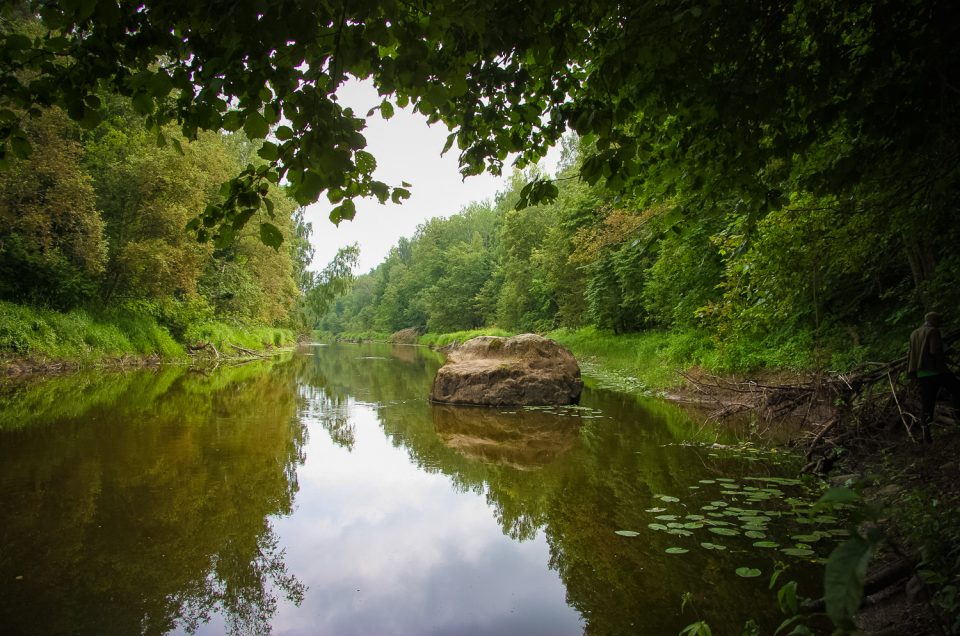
{"points": [[765, 513], [583, 412]]}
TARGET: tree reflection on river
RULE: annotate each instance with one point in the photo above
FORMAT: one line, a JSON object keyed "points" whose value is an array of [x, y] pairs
{"points": [[140, 502], [155, 501]]}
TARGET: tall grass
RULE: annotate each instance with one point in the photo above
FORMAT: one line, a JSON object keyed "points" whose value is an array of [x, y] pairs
{"points": [[651, 358], [443, 339], [80, 335], [85, 336], [222, 335]]}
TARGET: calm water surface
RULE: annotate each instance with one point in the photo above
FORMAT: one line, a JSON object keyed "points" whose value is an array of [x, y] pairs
{"points": [[322, 494]]}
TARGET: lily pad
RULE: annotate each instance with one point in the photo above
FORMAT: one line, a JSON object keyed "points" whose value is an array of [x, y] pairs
{"points": [[627, 533], [657, 526], [755, 534], [667, 498], [748, 573], [727, 532], [676, 550], [655, 510], [666, 517], [680, 532], [797, 552], [766, 544], [707, 481], [712, 546]]}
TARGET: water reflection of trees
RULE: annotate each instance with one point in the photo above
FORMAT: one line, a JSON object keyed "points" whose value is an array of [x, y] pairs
{"points": [[576, 489], [143, 505]]}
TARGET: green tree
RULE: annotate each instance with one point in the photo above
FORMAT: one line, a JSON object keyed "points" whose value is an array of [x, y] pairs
{"points": [[52, 248]]}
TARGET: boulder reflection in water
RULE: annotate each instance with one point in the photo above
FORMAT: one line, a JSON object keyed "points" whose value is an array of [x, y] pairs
{"points": [[524, 439]]}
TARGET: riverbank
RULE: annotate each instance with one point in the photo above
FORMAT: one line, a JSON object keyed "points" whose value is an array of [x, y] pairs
{"points": [[37, 340], [859, 435]]}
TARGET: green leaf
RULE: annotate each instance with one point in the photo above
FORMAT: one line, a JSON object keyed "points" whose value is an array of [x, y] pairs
{"points": [[843, 579], [399, 194], [386, 109], [242, 217], [268, 151], [450, 139], [700, 628], [308, 191], [667, 498], [836, 496], [256, 126], [343, 212], [160, 84], [284, 132], [270, 235], [676, 550], [712, 546], [142, 103], [233, 121], [224, 237], [178, 146], [627, 533], [748, 573]]}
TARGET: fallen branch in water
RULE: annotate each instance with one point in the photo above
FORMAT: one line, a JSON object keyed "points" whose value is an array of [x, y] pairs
{"points": [[249, 352]]}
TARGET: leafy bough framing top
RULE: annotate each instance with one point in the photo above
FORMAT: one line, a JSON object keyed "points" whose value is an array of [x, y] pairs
{"points": [[687, 101]]}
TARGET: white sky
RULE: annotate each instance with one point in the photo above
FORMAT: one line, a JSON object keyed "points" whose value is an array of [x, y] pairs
{"points": [[407, 149]]}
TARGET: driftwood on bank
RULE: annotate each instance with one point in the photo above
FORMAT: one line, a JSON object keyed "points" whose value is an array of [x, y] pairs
{"points": [[830, 410]]}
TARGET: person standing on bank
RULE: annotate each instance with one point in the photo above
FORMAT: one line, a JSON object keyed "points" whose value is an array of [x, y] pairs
{"points": [[927, 363]]}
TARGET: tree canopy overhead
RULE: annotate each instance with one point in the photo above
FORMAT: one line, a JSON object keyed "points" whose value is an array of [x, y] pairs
{"points": [[694, 100]]}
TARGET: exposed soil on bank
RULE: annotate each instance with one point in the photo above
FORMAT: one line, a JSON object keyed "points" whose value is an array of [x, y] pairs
{"points": [[867, 438]]}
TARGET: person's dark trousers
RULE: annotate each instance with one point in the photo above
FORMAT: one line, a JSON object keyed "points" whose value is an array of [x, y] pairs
{"points": [[929, 388]]}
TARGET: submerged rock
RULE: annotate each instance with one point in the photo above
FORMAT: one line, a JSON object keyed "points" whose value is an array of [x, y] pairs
{"points": [[524, 370]]}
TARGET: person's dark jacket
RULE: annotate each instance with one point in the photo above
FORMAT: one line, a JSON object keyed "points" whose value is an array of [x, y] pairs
{"points": [[926, 351]]}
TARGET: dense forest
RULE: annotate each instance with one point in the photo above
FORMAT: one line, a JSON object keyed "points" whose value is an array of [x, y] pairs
{"points": [[819, 280], [93, 221], [776, 179]]}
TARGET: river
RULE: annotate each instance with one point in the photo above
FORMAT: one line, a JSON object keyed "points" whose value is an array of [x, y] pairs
{"points": [[321, 493]]}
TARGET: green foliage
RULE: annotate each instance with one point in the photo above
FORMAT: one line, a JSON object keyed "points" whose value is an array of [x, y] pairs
{"points": [[717, 104], [52, 247], [223, 336], [82, 336], [444, 339], [928, 521]]}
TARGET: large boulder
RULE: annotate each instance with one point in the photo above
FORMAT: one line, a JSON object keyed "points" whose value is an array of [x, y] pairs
{"points": [[524, 370]]}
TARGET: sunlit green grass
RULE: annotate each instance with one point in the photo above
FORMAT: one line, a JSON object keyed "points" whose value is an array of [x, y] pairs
{"points": [[80, 335], [443, 339], [87, 337]]}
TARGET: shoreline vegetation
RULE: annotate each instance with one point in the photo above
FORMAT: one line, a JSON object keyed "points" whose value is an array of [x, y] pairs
{"points": [[39, 341]]}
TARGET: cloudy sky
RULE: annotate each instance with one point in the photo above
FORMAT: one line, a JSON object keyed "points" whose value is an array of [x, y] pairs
{"points": [[406, 150]]}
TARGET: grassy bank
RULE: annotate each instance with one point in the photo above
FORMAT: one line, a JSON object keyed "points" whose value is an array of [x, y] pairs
{"points": [[87, 337]]}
